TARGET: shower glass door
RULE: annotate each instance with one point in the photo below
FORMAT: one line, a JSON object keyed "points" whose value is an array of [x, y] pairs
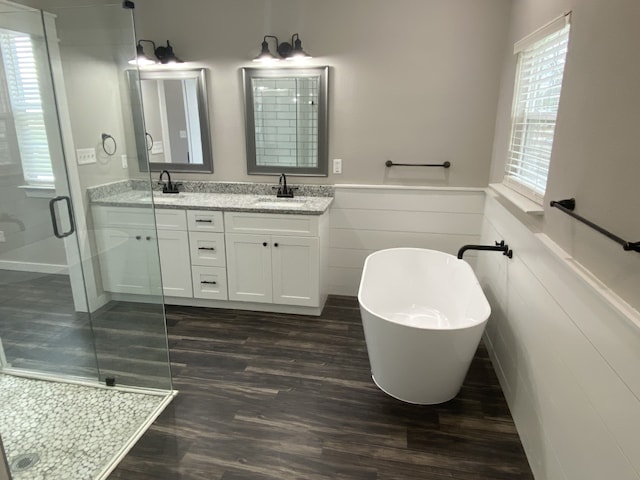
{"points": [[63, 84], [64, 330], [44, 318]]}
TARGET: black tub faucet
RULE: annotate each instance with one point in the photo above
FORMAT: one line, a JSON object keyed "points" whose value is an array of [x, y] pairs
{"points": [[498, 247], [168, 186]]}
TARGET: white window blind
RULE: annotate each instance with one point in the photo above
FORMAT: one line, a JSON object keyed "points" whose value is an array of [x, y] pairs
{"points": [[541, 60], [21, 72]]}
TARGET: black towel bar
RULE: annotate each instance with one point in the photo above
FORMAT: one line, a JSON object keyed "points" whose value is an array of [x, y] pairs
{"points": [[568, 206], [389, 163]]}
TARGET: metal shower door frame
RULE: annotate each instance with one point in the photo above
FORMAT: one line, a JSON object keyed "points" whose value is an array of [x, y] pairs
{"points": [[5, 472]]}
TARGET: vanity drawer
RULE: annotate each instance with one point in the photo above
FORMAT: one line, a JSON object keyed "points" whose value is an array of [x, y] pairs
{"points": [[269, 223], [209, 282], [207, 249], [168, 219], [123, 217], [205, 221]]}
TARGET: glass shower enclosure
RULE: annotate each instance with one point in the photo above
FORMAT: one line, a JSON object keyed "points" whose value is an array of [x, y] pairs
{"points": [[67, 344]]}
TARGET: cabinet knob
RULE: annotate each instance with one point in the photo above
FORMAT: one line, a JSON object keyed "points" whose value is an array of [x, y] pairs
{"points": [[138, 237], [148, 238], [264, 244], [275, 244]]}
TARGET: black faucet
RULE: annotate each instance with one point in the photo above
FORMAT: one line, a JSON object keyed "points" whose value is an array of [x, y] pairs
{"points": [[499, 247], [283, 190], [168, 187]]}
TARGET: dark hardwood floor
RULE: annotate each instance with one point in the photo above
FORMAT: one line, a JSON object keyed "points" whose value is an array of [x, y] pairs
{"points": [[271, 396], [41, 331]]}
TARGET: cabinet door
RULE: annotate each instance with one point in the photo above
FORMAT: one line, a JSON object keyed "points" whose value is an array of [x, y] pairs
{"points": [[296, 272], [123, 259], [175, 263], [249, 267]]}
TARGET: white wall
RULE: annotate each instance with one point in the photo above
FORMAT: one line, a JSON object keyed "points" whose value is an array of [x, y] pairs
{"points": [[365, 219], [595, 153], [95, 43], [411, 80], [565, 354], [565, 330]]}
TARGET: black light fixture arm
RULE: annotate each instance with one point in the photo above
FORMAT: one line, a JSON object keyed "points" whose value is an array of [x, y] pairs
{"points": [[165, 54], [148, 41], [265, 44], [568, 206], [286, 49]]}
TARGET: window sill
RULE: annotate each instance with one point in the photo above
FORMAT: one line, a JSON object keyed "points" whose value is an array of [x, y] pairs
{"points": [[38, 192], [519, 201]]}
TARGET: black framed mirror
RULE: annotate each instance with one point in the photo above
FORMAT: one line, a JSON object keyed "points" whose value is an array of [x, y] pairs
{"points": [[174, 122]]}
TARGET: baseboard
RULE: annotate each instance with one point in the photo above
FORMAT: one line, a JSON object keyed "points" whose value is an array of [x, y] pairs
{"points": [[33, 267], [235, 305]]}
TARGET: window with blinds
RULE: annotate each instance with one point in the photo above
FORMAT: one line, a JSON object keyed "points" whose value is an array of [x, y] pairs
{"points": [[24, 108], [541, 60]]}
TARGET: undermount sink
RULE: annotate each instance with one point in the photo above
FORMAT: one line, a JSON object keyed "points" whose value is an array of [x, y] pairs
{"points": [[277, 203], [161, 197]]}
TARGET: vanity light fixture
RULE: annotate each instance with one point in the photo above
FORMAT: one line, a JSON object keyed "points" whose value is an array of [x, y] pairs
{"points": [[164, 54], [142, 58], [290, 51], [293, 50], [265, 55]]}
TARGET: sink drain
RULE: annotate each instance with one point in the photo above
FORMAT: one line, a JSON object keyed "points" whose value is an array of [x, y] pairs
{"points": [[24, 462]]}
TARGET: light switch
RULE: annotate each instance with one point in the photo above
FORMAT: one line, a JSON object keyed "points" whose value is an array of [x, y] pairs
{"points": [[86, 155], [337, 166]]}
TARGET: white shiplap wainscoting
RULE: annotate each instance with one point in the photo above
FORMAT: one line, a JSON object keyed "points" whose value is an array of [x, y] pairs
{"points": [[567, 353], [365, 219]]}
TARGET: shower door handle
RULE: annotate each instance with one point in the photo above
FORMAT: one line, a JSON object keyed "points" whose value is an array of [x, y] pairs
{"points": [[54, 220]]}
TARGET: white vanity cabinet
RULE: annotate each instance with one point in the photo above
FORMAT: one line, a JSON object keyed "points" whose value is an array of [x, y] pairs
{"points": [[173, 245], [246, 260], [126, 241], [128, 245], [208, 258], [274, 258]]}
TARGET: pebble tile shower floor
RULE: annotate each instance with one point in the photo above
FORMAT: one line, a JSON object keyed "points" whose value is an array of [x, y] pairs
{"points": [[62, 431]]}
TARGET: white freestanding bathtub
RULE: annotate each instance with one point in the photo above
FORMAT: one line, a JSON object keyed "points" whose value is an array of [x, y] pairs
{"points": [[423, 314]]}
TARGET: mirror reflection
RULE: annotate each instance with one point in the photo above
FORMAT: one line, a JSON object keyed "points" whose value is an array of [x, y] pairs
{"points": [[286, 120], [175, 123]]}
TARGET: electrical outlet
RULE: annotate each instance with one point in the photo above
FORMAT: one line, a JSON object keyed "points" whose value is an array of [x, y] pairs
{"points": [[125, 162], [86, 155], [2, 237], [337, 166]]}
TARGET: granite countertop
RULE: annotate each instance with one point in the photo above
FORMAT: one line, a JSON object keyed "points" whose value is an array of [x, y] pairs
{"points": [[234, 202]]}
